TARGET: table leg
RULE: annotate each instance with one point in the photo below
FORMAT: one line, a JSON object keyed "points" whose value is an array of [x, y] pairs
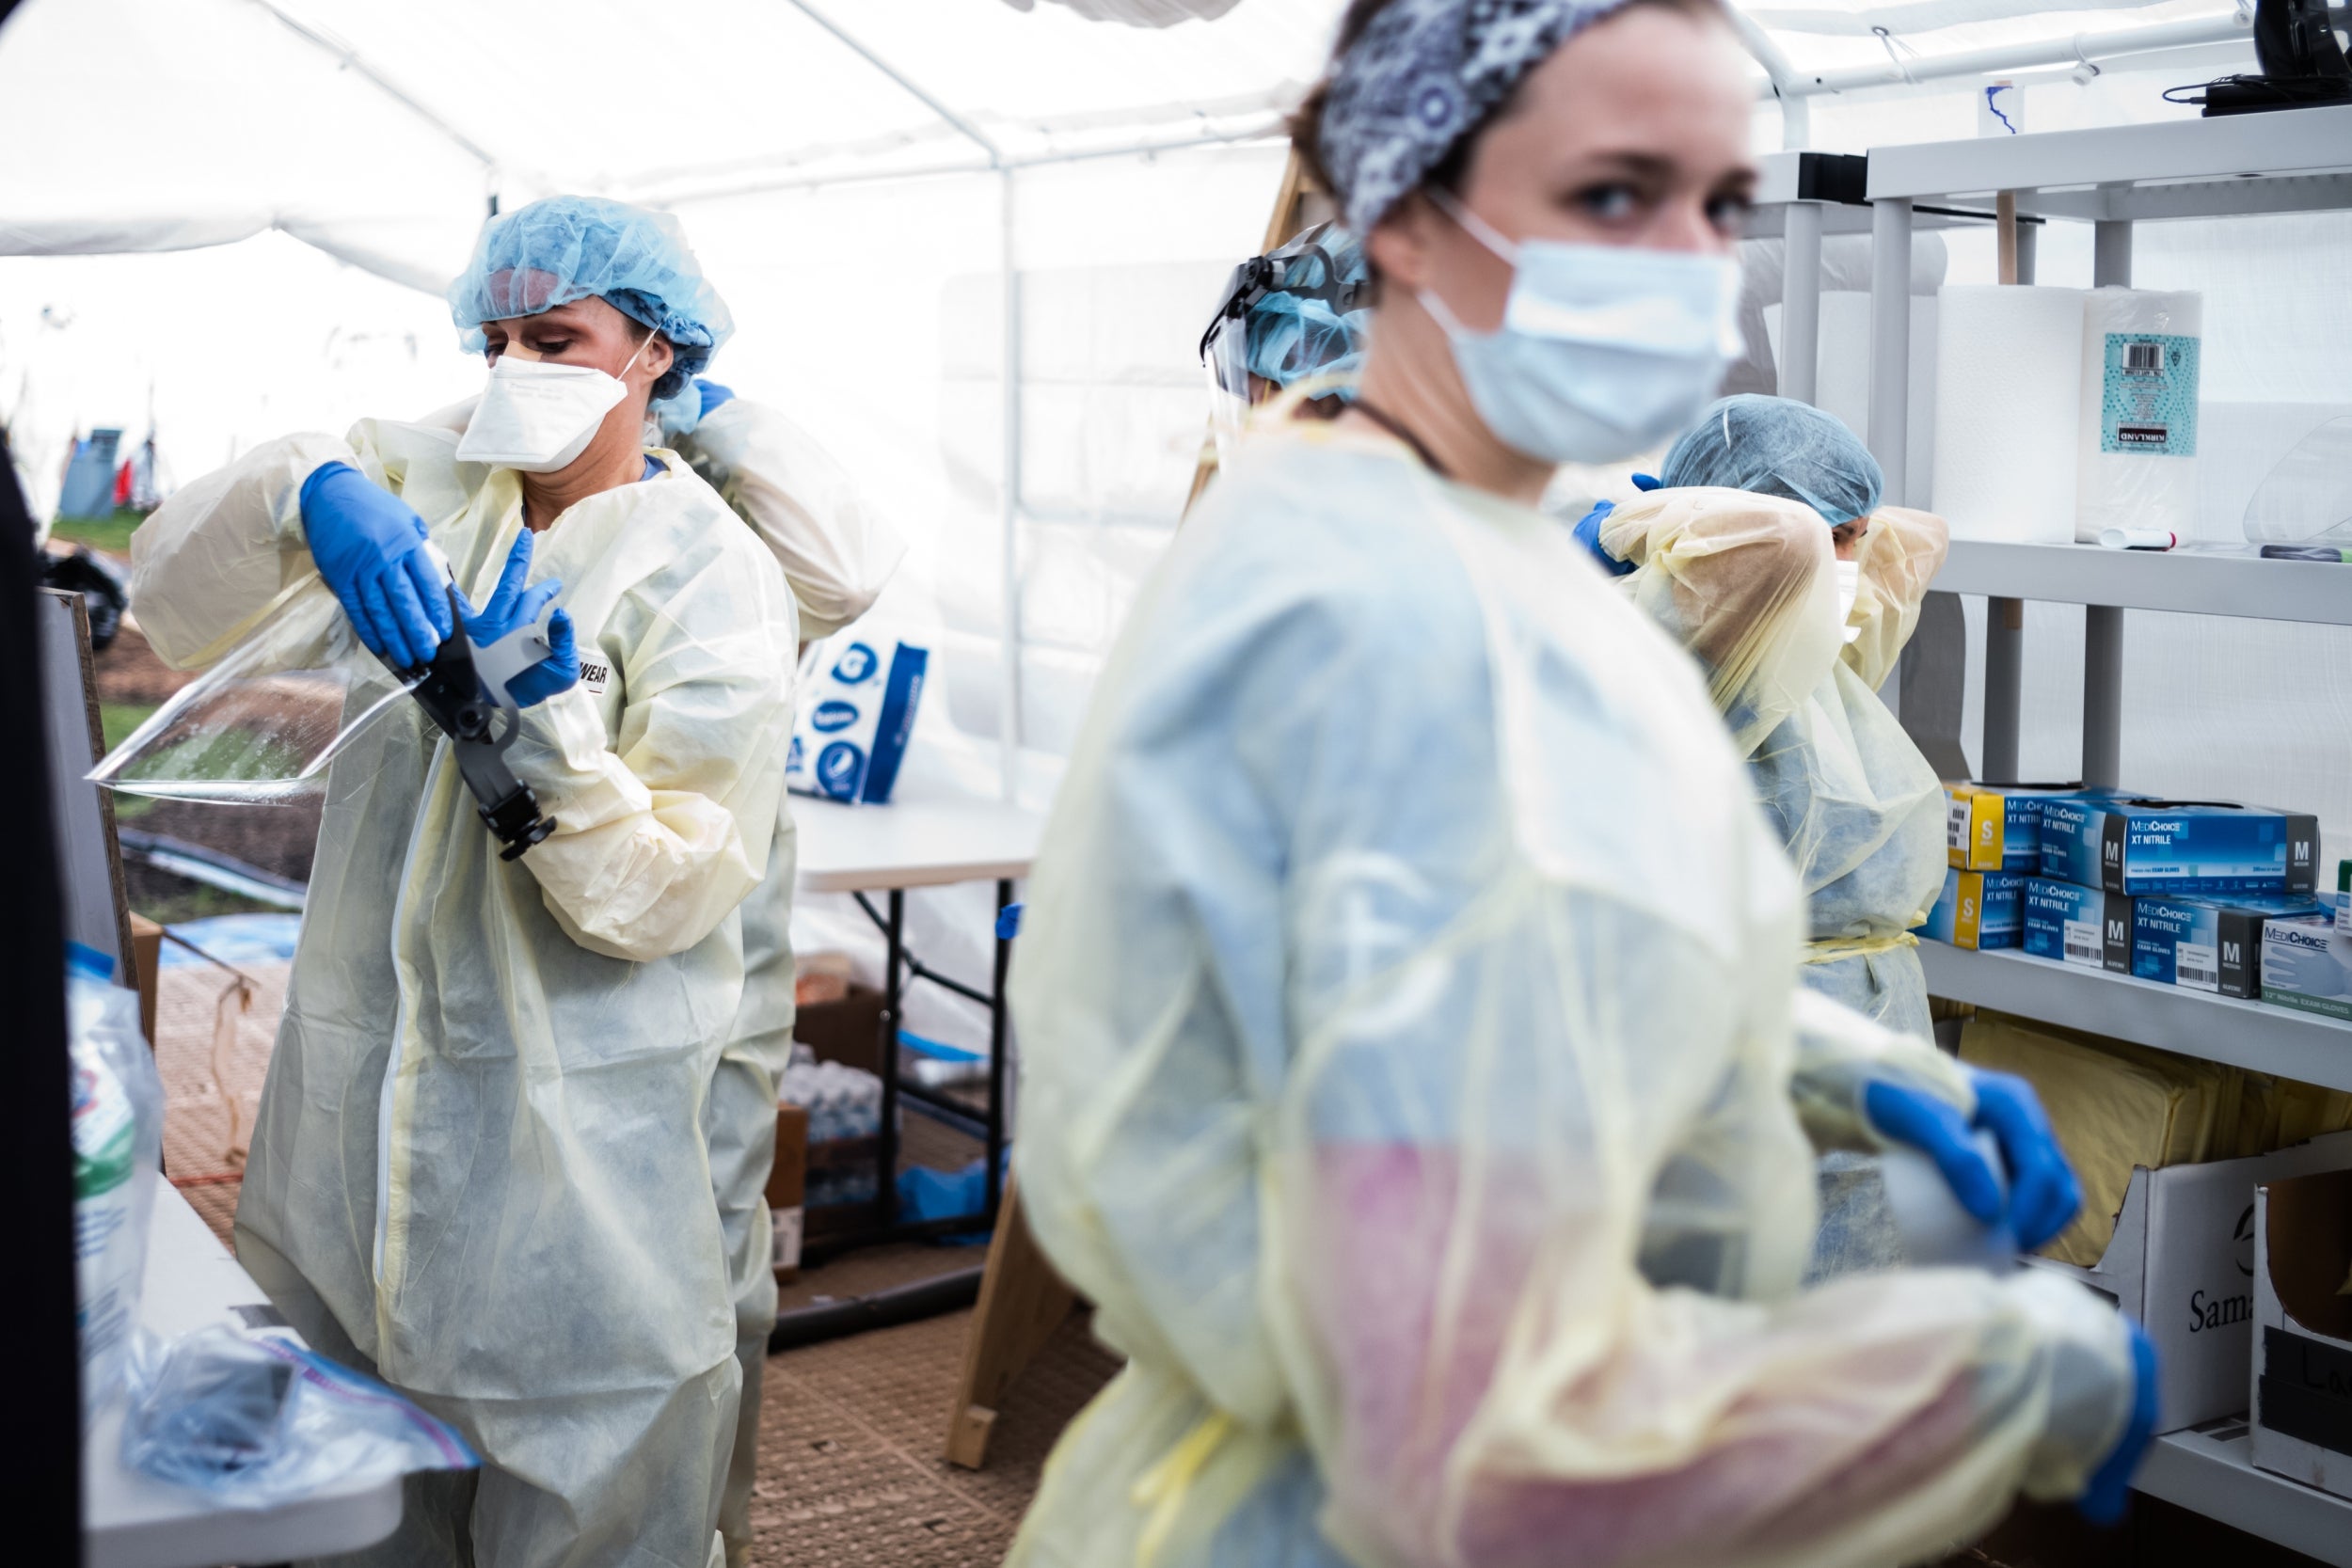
{"points": [[996, 1020], [893, 1000]]}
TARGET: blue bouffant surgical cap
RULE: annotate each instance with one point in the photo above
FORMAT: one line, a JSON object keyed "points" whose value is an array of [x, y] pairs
{"points": [[1298, 329], [570, 247], [1779, 447]]}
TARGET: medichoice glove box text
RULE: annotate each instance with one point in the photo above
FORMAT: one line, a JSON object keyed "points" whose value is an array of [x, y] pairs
{"points": [[855, 720], [2302, 1393], [2307, 961], [2077, 924], [1981, 909], [2130, 845], [2210, 943], [2181, 1263], [1990, 827]]}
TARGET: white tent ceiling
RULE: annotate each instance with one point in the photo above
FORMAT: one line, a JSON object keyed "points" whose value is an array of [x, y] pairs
{"points": [[377, 131]]}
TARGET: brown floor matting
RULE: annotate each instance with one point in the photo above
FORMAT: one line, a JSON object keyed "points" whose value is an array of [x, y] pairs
{"points": [[850, 1474]]}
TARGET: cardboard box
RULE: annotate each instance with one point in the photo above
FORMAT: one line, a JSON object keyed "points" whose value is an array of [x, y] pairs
{"points": [[1981, 909], [848, 1031], [1998, 826], [2302, 1391], [2165, 847], [2076, 925], [788, 1183], [2207, 943], [2307, 961], [2181, 1263]]}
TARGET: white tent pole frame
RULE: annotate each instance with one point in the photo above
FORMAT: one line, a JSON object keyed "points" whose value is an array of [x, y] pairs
{"points": [[351, 58], [2081, 47], [1008, 612], [1796, 116]]}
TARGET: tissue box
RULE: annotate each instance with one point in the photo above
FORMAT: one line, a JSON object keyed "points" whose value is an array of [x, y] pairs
{"points": [[2307, 961], [856, 719], [2130, 845], [2077, 924], [1979, 910], [1998, 826], [2302, 1408], [2207, 943]]}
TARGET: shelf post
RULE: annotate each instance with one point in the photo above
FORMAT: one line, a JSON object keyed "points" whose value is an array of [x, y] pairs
{"points": [[2005, 619], [2102, 624], [1890, 338], [1801, 302]]}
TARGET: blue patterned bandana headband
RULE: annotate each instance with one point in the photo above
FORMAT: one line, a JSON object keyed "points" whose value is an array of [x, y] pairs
{"points": [[1424, 74]]}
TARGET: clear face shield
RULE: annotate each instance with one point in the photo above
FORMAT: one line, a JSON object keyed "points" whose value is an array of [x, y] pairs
{"points": [[260, 726], [1304, 271]]}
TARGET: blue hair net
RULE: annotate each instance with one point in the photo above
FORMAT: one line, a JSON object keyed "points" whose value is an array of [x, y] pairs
{"points": [[570, 247], [1293, 333], [1292, 337], [1779, 447]]}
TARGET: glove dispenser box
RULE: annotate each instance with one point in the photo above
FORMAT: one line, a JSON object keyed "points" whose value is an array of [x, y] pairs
{"points": [[2302, 1387], [2183, 1265]]}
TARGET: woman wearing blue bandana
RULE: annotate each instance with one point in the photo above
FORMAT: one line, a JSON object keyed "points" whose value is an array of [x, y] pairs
{"points": [[1413, 1072]]}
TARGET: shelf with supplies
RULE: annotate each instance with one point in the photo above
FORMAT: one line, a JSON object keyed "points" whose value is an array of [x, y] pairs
{"points": [[2288, 161], [2205, 1469], [2189, 580], [2279, 1040]]}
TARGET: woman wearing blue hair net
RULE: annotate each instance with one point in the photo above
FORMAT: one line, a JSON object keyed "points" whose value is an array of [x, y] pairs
{"points": [[1413, 1070], [1766, 551], [498, 1154]]}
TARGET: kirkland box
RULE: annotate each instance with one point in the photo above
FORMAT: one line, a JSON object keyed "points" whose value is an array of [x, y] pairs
{"points": [[1979, 910], [1998, 826], [2182, 1263], [2077, 924], [2307, 961], [2134, 845], [2208, 943], [2302, 1409]]}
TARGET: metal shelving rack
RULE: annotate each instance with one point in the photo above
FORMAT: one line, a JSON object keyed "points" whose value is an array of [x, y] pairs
{"points": [[2293, 161]]}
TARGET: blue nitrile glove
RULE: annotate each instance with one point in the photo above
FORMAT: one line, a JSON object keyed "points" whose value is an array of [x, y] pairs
{"points": [[2110, 1487], [371, 550], [513, 605], [1646, 483], [713, 394], [1588, 535], [2042, 1192]]}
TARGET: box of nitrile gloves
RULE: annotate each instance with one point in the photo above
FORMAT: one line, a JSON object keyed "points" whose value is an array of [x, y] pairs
{"points": [[1997, 827], [1981, 909], [2077, 924], [2208, 943], [2307, 961], [2165, 846]]}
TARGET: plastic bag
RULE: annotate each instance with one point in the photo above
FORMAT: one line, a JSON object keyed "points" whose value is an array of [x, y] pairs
{"points": [[259, 1422], [117, 1150]]}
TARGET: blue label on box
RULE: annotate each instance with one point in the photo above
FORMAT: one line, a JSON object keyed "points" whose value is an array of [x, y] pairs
{"points": [[2077, 924], [2159, 848]]}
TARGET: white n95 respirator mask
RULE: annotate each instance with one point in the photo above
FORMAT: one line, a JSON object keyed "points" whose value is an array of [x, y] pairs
{"points": [[1604, 351], [1848, 590], [537, 415]]}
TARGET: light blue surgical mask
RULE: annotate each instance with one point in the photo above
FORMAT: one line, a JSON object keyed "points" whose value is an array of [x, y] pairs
{"points": [[1604, 351]]}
